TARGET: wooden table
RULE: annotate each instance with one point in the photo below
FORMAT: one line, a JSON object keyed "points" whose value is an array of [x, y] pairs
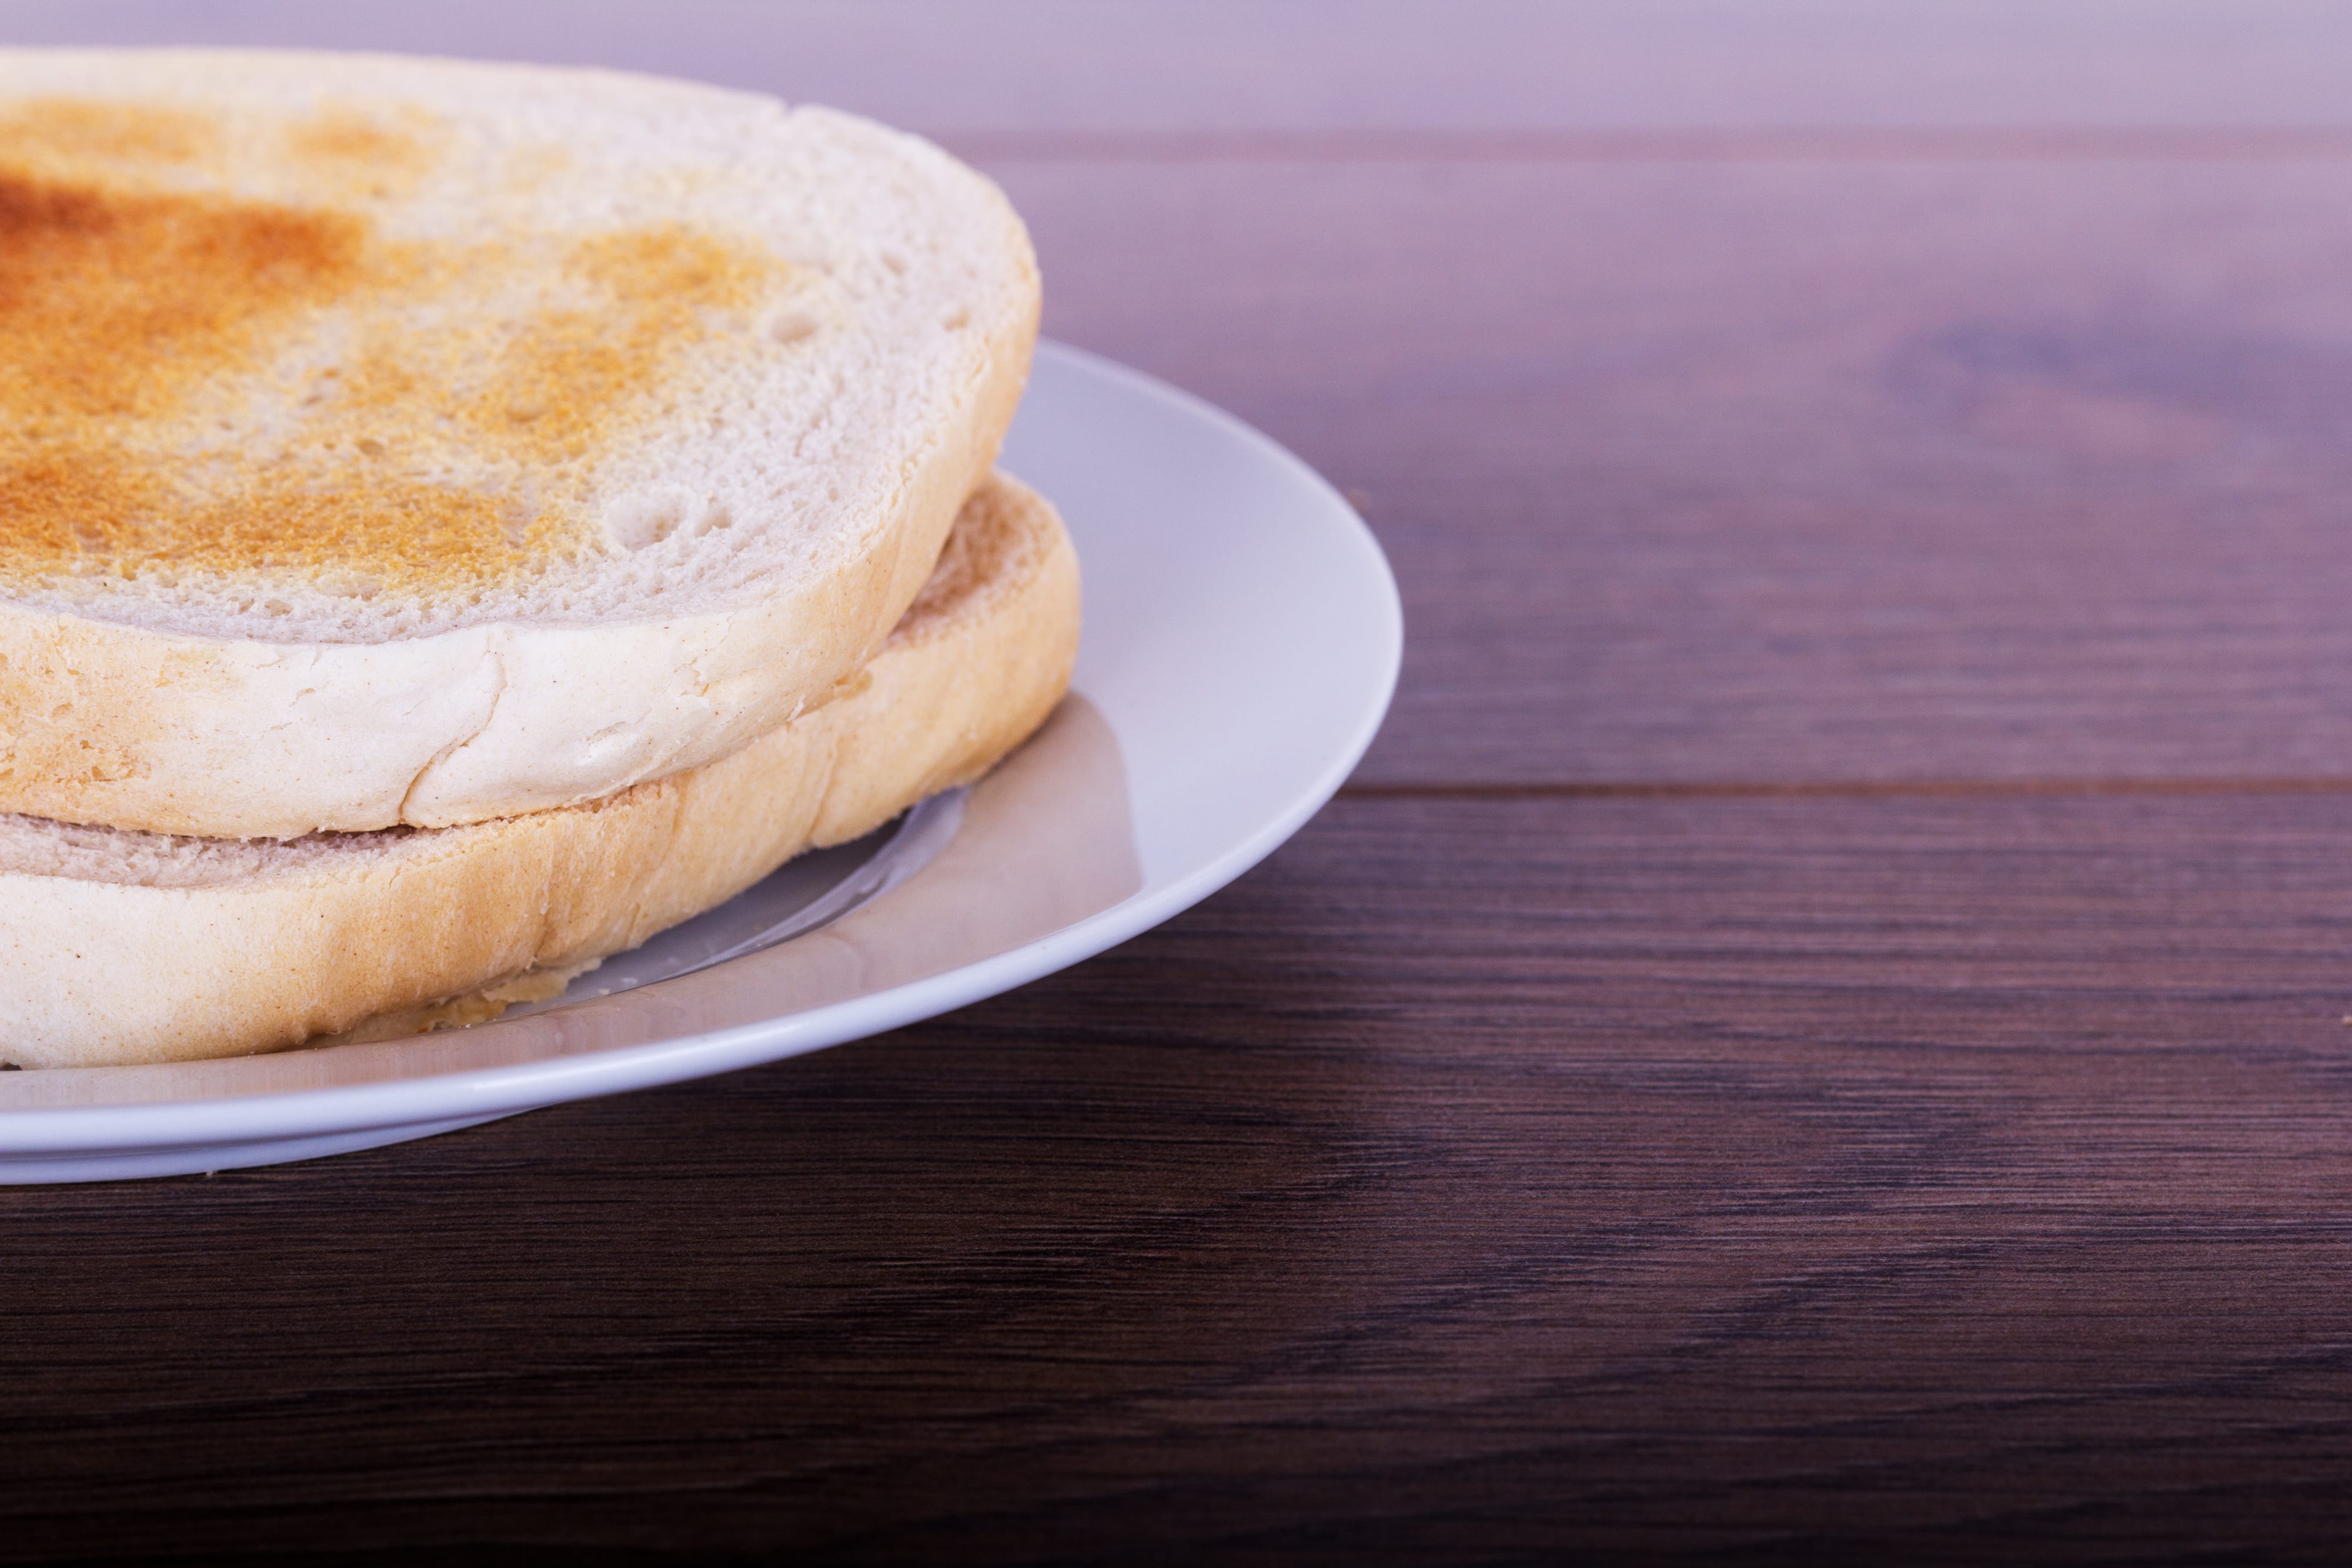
{"points": [[1820, 1025]]}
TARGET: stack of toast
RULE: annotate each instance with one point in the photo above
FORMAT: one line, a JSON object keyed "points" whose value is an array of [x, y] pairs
{"points": [[459, 520]]}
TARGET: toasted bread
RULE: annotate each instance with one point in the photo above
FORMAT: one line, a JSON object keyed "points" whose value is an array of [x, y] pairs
{"points": [[122, 947], [399, 442]]}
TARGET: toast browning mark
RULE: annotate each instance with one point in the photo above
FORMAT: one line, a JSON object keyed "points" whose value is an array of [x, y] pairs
{"points": [[112, 303], [347, 147], [193, 382], [50, 129]]}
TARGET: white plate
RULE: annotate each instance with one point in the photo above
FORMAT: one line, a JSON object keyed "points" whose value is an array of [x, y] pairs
{"points": [[1241, 642]]}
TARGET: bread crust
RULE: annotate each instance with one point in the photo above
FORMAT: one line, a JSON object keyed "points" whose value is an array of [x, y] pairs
{"points": [[101, 970], [107, 720]]}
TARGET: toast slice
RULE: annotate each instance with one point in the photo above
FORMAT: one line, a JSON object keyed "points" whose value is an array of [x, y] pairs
{"points": [[122, 946], [388, 441]]}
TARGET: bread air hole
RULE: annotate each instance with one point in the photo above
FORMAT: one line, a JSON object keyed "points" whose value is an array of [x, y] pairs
{"points": [[645, 518], [791, 325]]}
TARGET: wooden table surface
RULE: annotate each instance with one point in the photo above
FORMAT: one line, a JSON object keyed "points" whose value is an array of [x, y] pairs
{"points": [[1821, 1027]]}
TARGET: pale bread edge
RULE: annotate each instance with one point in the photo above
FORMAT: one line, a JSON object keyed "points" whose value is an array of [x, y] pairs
{"points": [[106, 972]]}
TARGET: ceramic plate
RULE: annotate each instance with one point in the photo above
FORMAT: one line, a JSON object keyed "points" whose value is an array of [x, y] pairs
{"points": [[1241, 642]]}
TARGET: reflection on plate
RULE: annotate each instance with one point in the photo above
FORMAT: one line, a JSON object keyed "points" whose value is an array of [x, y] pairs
{"points": [[1241, 642], [804, 894]]}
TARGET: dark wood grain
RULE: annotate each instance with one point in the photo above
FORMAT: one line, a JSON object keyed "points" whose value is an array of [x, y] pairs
{"points": [[1683, 1175], [1813, 469]]}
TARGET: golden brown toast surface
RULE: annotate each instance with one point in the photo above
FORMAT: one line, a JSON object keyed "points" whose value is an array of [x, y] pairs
{"points": [[193, 376]]}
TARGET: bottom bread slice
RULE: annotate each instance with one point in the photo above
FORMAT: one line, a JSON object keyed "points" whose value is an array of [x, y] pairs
{"points": [[119, 946]]}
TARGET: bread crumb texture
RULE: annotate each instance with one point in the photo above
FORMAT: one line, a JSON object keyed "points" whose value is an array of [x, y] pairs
{"points": [[347, 350]]}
